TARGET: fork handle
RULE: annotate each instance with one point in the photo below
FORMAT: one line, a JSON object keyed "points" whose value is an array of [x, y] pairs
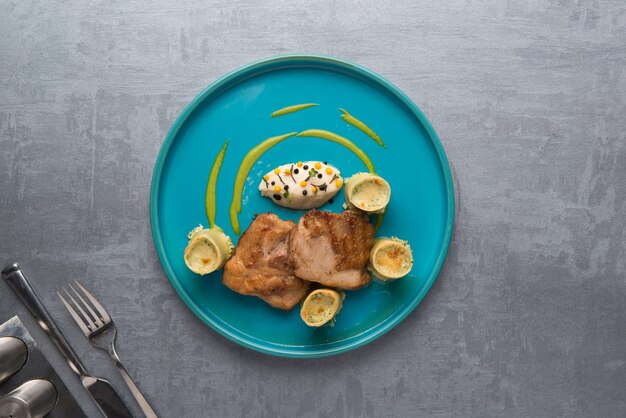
{"points": [[16, 279], [143, 403]]}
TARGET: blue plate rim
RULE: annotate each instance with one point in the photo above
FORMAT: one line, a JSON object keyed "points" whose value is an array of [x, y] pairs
{"points": [[251, 341]]}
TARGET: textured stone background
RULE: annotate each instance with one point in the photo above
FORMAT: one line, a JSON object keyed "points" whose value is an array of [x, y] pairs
{"points": [[528, 315]]}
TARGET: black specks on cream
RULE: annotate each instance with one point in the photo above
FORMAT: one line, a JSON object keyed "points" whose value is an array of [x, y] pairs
{"points": [[296, 185]]}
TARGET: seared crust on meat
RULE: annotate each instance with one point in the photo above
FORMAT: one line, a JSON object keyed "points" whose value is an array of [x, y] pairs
{"points": [[260, 265], [332, 248]]}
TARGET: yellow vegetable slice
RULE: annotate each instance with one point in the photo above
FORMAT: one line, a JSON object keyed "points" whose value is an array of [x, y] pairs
{"points": [[321, 307]]}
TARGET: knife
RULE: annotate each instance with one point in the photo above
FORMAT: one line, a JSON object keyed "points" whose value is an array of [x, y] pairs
{"points": [[101, 391]]}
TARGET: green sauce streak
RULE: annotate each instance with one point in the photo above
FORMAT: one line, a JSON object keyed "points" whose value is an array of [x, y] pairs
{"points": [[244, 169], [320, 133], [291, 109], [209, 197], [363, 127]]}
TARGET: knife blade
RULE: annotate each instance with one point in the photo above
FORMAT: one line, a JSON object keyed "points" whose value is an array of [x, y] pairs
{"points": [[101, 391]]}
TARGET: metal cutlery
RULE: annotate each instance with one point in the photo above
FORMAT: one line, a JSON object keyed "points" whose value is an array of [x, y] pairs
{"points": [[13, 356], [24, 357], [35, 398], [101, 391], [95, 322]]}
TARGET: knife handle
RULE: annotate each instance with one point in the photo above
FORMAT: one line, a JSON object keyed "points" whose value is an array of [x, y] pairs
{"points": [[16, 279], [107, 399]]}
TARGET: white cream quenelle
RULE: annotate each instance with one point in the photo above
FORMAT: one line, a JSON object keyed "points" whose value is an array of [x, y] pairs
{"points": [[301, 185], [207, 250]]}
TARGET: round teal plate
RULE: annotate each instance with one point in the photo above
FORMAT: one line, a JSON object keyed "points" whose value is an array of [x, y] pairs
{"points": [[238, 106]]}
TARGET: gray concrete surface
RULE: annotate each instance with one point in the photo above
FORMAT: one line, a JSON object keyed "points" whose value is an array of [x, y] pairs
{"points": [[528, 316]]}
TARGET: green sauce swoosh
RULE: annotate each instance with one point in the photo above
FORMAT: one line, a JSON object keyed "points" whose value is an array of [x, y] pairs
{"points": [[331, 136], [363, 127], [291, 109], [244, 169], [209, 197]]}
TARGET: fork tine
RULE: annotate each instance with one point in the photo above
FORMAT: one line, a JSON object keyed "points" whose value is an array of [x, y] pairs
{"points": [[92, 327], [98, 322], [104, 315], [77, 318]]}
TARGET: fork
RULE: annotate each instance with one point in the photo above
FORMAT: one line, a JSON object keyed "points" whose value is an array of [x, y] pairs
{"points": [[100, 329]]}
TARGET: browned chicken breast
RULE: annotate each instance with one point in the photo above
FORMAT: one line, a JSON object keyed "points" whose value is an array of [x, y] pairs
{"points": [[332, 248], [260, 266]]}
